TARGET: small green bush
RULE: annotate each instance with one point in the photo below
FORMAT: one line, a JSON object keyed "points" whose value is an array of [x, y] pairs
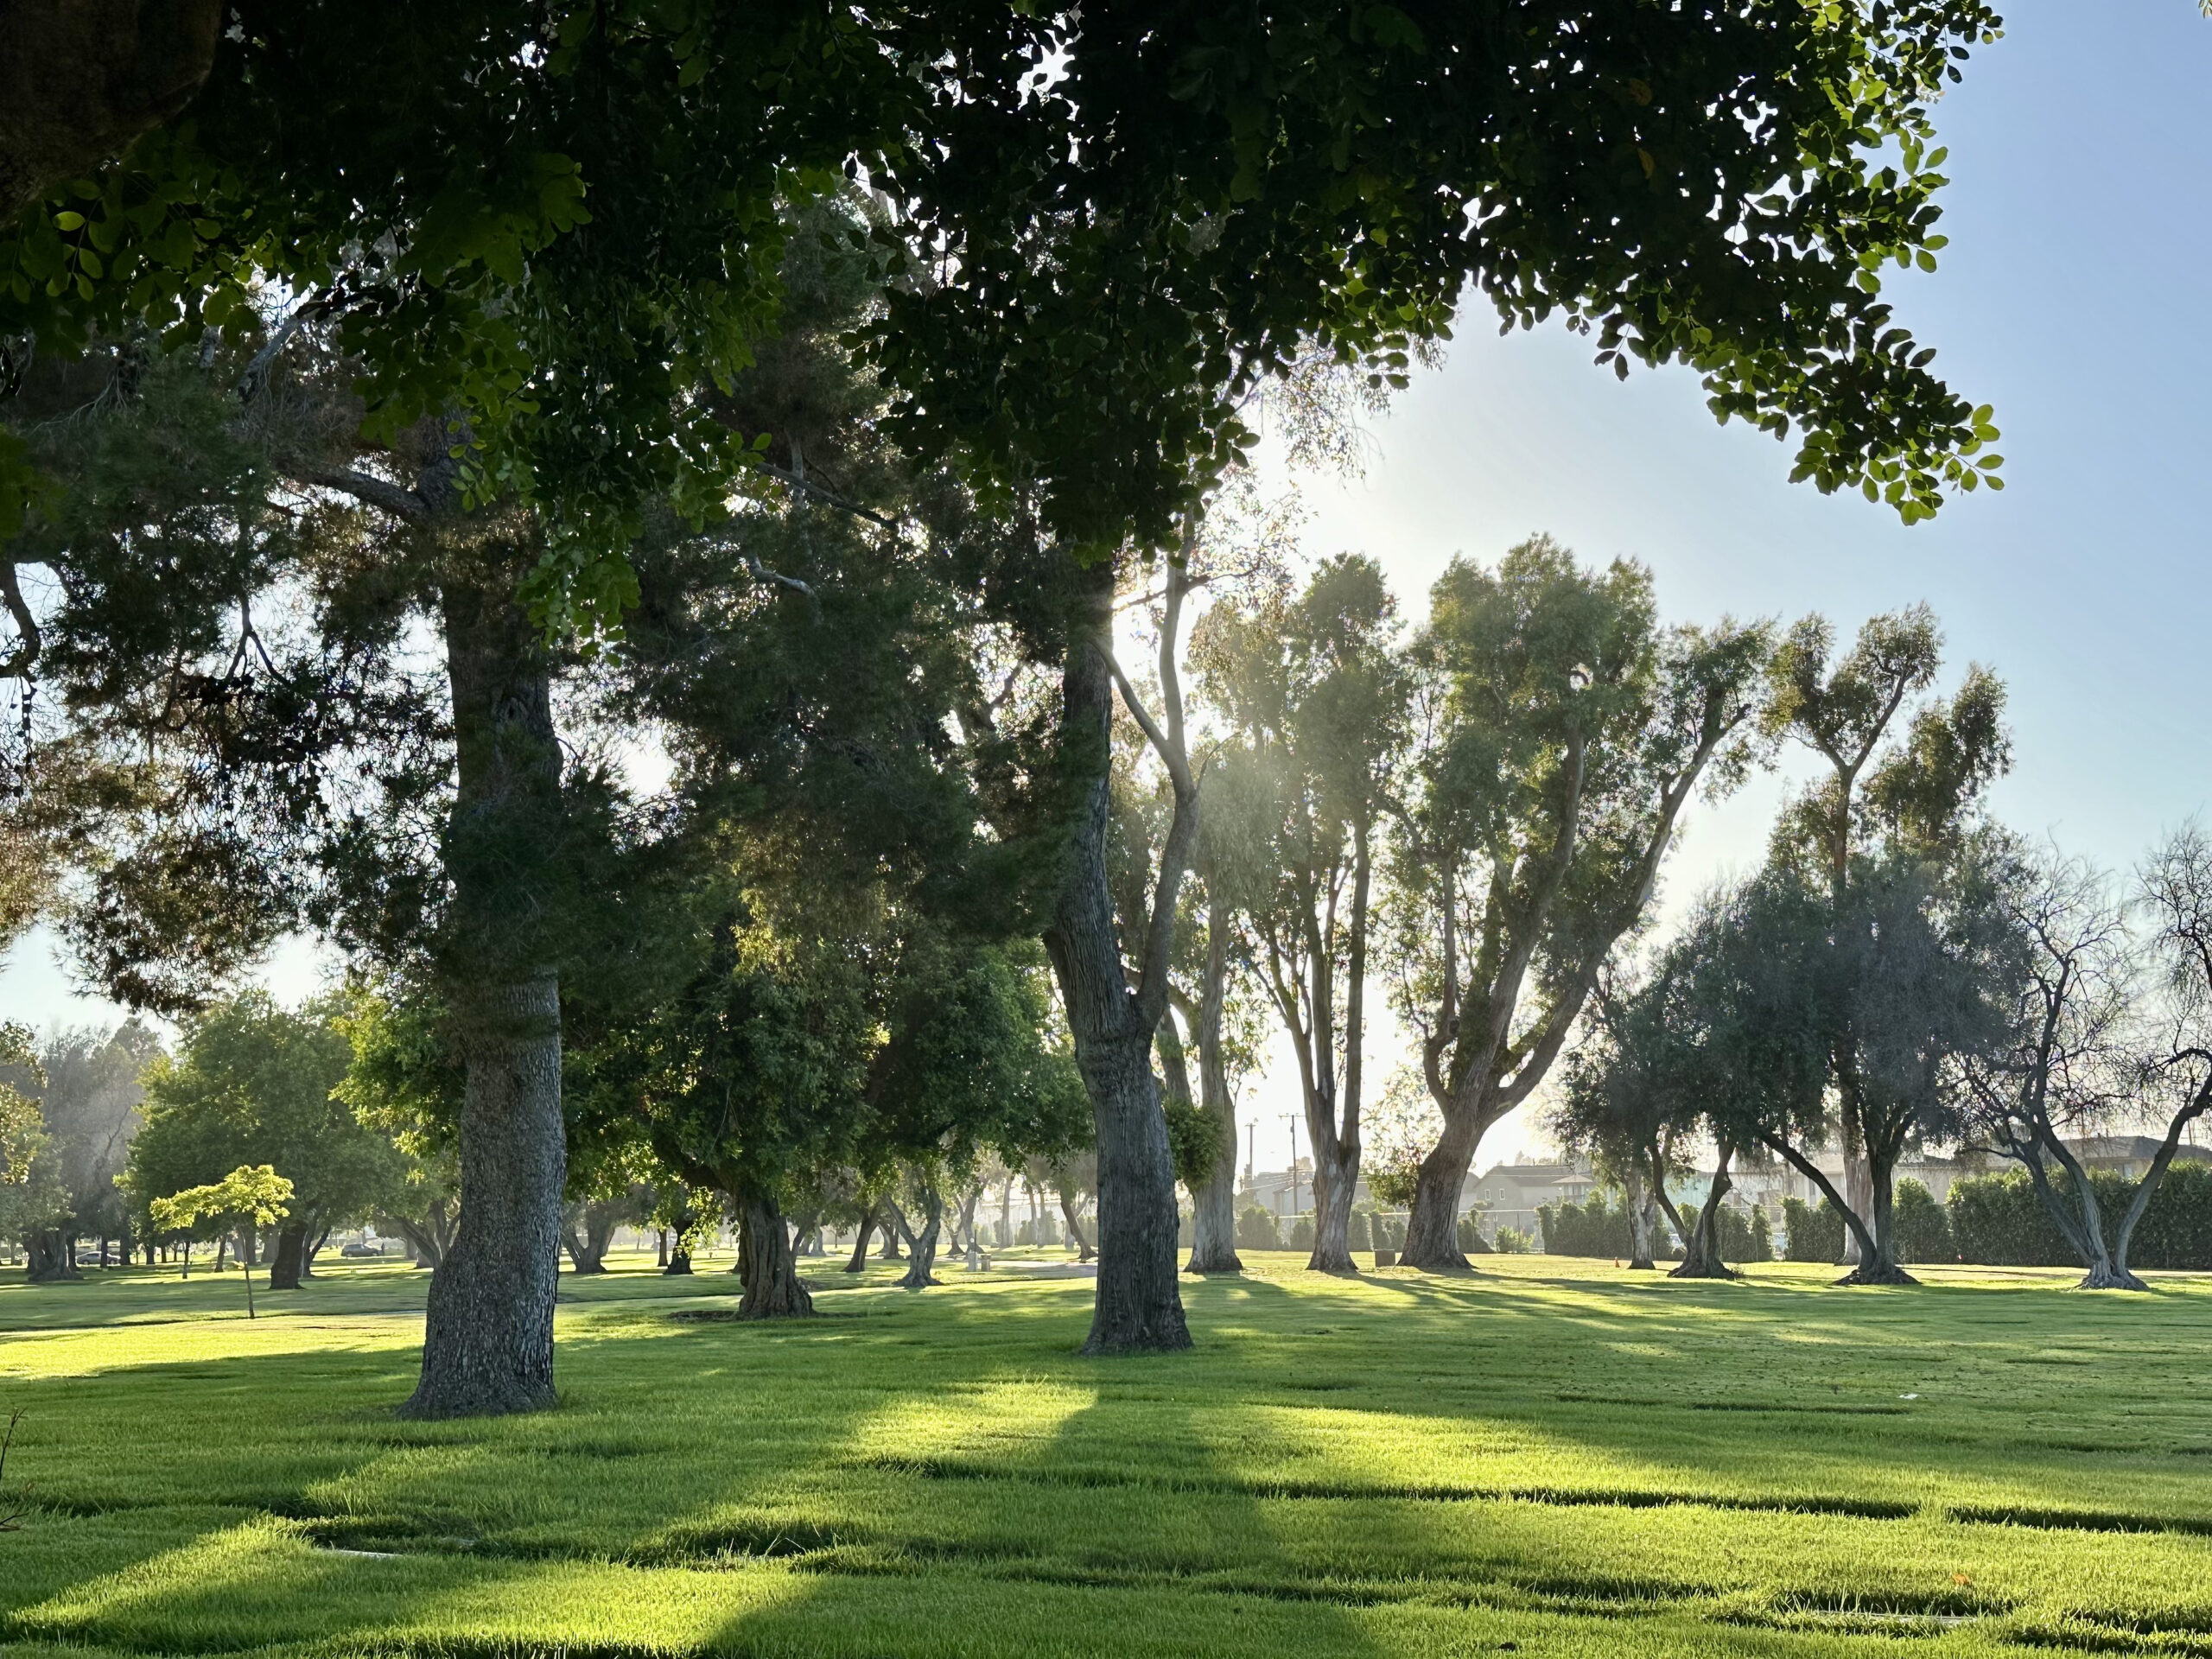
{"points": [[1810, 1234], [1472, 1242], [1301, 1233], [1512, 1241], [1920, 1231], [1358, 1234], [1257, 1230]]}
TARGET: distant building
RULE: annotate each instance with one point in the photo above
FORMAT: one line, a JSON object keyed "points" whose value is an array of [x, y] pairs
{"points": [[1508, 1195], [2129, 1156]]}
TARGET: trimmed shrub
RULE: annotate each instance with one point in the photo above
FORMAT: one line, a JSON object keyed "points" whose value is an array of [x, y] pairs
{"points": [[1301, 1233], [1810, 1234], [1920, 1230], [1358, 1234], [1257, 1229], [1472, 1242], [1511, 1240], [1587, 1228]]}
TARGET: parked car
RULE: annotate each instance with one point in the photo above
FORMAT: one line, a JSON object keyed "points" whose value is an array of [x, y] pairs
{"points": [[359, 1249]]}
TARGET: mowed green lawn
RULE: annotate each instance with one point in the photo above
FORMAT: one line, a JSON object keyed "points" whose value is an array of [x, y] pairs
{"points": [[1552, 1458]]}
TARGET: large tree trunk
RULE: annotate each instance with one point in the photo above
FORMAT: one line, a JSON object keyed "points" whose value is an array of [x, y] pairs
{"points": [[859, 1263], [921, 1255], [1213, 1206], [1642, 1223], [290, 1262], [1701, 1250], [50, 1257], [1336, 1176], [772, 1289], [1882, 1268], [488, 1339], [1432, 1228], [1139, 1304]]}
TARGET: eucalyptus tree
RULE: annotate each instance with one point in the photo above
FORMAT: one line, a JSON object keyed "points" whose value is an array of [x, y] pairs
{"points": [[1922, 780], [1889, 831], [1571, 729], [1314, 694], [84, 1087]]}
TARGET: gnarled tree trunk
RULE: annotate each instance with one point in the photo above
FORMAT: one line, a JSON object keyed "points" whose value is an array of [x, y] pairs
{"points": [[488, 1339], [772, 1289], [1701, 1249], [50, 1257], [921, 1252]]}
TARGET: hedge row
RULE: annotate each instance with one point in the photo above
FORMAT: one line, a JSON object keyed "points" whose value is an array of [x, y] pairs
{"points": [[1998, 1219], [1593, 1227], [1925, 1232]]}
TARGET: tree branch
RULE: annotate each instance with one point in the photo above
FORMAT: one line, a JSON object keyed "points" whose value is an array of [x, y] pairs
{"points": [[381, 492]]}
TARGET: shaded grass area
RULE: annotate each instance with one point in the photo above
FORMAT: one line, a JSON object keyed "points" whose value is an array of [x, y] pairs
{"points": [[1555, 1457]]}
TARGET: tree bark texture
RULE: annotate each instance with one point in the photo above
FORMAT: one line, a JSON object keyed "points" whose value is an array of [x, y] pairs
{"points": [[288, 1265], [488, 1339], [772, 1289], [80, 78], [1139, 1306]]}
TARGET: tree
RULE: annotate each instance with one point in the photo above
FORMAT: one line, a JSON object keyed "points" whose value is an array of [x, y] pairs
{"points": [[1617, 1108], [1742, 1054], [253, 1082], [84, 1086], [2070, 1052], [1889, 833], [405, 1082], [441, 231], [1313, 690], [1567, 732], [247, 1197], [2174, 1077]]}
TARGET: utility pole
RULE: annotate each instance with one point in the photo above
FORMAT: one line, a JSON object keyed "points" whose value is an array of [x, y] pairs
{"points": [[1251, 1145], [1293, 1121]]}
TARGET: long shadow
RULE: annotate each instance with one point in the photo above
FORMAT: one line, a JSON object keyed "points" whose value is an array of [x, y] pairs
{"points": [[1338, 1467]]}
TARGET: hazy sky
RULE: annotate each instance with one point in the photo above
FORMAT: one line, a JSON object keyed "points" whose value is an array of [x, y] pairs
{"points": [[2080, 218]]}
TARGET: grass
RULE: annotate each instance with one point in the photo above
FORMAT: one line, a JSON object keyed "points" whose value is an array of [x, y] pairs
{"points": [[1553, 1458]]}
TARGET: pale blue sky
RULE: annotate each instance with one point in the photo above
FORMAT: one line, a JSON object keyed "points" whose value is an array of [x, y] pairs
{"points": [[2080, 221]]}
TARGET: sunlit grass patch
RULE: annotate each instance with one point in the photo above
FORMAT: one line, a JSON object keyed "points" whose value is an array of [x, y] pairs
{"points": [[1557, 1454]]}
